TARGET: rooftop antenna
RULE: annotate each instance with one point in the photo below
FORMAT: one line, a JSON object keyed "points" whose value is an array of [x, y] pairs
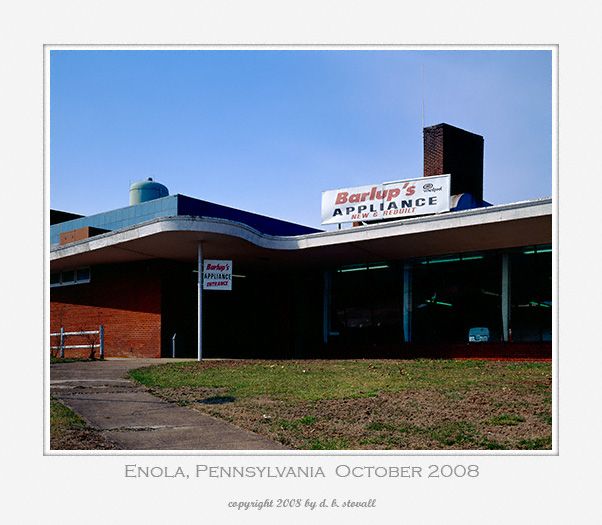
{"points": [[422, 131], [422, 96]]}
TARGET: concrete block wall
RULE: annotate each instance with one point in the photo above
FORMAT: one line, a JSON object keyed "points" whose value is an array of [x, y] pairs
{"points": [[125, 299]]}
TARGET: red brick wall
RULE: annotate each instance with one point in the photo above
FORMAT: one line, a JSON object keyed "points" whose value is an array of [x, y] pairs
{"points": [[125, 299], [494, 350], [452, 150], [433, 151]]}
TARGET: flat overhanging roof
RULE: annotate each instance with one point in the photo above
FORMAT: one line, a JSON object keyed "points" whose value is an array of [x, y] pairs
{"points": [[176, 238]]}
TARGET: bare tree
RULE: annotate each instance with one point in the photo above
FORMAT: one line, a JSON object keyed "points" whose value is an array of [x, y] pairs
{"points": [[91, 340], [60, 317]]}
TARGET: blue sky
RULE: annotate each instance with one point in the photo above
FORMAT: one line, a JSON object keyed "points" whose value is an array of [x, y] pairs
{"points": [[268, 130]]}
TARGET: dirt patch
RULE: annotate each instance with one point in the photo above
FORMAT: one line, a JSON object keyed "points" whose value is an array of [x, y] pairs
{"points": [[88, 439], [379, 405], [412, 420], [68, 431]]}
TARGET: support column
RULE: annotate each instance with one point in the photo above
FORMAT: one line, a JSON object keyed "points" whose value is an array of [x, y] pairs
{"points": [[200, 300], [506, 296], [407, 302], [327, 290]]}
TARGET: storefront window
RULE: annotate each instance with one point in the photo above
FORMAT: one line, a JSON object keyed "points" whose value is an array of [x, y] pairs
{"points": [[443, 299], [531, 293], [365, 303], [68, 277], [83, 275], [453, 294]]}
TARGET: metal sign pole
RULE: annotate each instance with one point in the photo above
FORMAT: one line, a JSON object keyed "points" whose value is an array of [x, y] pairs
{"points": [[200, 300]]}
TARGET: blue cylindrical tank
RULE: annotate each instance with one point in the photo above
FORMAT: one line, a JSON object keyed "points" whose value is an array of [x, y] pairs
{"points": [[147, 190]]}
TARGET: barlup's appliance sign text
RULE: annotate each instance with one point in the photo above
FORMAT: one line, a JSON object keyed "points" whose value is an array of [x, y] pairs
{"points": [[387, 201], [217, 275]]}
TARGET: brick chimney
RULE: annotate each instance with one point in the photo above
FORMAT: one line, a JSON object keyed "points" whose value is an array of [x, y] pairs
{"points": [[460, 153]]}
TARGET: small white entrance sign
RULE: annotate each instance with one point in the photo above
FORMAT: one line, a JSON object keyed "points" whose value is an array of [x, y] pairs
{"points": [[217, 275]]}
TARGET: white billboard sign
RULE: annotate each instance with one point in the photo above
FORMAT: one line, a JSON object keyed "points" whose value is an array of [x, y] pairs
{"points": [[389, 200], [217, 275]]}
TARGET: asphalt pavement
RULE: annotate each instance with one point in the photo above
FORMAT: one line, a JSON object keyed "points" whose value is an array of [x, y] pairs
{"points": [[136, 420]]}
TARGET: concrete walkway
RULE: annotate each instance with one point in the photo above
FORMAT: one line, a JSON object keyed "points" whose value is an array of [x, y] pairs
{"points": [[136, 420]]}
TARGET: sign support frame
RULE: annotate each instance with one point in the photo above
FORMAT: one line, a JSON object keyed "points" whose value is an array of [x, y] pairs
{"points": [[200, 299]]}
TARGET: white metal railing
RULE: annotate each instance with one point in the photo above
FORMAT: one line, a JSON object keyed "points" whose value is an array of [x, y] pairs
{"points": [[62, 335]]}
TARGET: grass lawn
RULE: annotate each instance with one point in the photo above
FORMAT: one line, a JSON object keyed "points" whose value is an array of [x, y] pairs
{"points": [[54, 359], [68, 431], [370, 404]]}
